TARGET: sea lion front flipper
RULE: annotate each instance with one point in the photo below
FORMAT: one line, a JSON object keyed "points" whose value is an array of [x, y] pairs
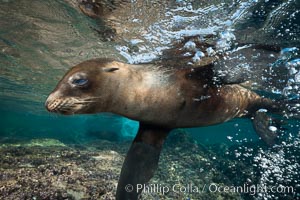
{"points": [[141, 161], [263, 125]]}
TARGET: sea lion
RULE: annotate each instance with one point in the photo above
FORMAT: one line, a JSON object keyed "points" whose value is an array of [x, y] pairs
{"points": [[161, 99]]}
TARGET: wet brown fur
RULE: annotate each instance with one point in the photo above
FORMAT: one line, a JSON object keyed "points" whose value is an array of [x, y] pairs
{"points": [[177, 98]]}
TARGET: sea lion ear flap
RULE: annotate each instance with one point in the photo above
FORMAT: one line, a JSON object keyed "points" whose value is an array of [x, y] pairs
{"points": [[110, 69]]}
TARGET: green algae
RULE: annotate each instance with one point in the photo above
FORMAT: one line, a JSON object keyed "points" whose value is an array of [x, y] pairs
{"points": [[45, 142]]}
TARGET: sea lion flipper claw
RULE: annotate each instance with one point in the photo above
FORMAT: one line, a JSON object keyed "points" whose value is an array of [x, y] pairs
{"points": [[141, 161]]}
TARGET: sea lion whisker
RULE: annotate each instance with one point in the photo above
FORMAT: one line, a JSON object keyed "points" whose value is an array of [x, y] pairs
{"points": [[90, 98], [82, 102], [67, 106], [87, 101]]}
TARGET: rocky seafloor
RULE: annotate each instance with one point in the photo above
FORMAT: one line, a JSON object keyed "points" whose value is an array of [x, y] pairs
{"points": [[49, 169]]}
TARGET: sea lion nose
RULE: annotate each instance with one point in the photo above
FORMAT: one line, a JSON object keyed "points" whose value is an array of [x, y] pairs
{"points": [[47, 103], [50, 100]]}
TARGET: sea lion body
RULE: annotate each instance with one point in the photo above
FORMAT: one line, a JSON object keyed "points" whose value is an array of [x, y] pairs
{"points": [[173, 98], [161, 99]]}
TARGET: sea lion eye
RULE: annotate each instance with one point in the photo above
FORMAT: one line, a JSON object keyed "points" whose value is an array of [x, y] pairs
{"points": [[80, 82]]}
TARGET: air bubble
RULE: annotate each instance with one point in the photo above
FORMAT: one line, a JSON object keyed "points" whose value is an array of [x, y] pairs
{"points": [[272, 128]]}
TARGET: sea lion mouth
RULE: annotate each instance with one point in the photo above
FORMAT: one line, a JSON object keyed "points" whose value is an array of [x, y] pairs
{"points": [[68, 106]]}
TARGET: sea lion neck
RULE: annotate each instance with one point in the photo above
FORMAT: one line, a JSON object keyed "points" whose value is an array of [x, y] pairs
{"points": [[140, 88]]}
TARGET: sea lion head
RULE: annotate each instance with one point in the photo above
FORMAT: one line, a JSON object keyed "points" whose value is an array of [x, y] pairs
{"points": [[85, 88]]}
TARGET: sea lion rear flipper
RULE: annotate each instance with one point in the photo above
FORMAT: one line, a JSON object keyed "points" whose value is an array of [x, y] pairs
{"points": [[141, 161], [262, 124]]}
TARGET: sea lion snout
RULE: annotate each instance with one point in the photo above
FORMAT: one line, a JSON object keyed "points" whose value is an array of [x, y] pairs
{"points": [[68, 105], [55, 103], [51, 102]]}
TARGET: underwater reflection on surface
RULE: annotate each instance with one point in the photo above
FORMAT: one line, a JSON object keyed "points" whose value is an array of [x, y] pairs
{"points": [[41, 40]]}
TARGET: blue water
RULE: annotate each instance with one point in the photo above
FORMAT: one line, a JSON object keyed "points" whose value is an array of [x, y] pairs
{"points": [[41, 40]]}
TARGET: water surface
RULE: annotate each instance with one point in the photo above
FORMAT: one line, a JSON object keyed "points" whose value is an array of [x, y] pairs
{"points": [[41, 40]]}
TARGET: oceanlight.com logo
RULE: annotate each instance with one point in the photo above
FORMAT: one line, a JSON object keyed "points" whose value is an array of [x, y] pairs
{"points": [[212, 188], [250, 189]]}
